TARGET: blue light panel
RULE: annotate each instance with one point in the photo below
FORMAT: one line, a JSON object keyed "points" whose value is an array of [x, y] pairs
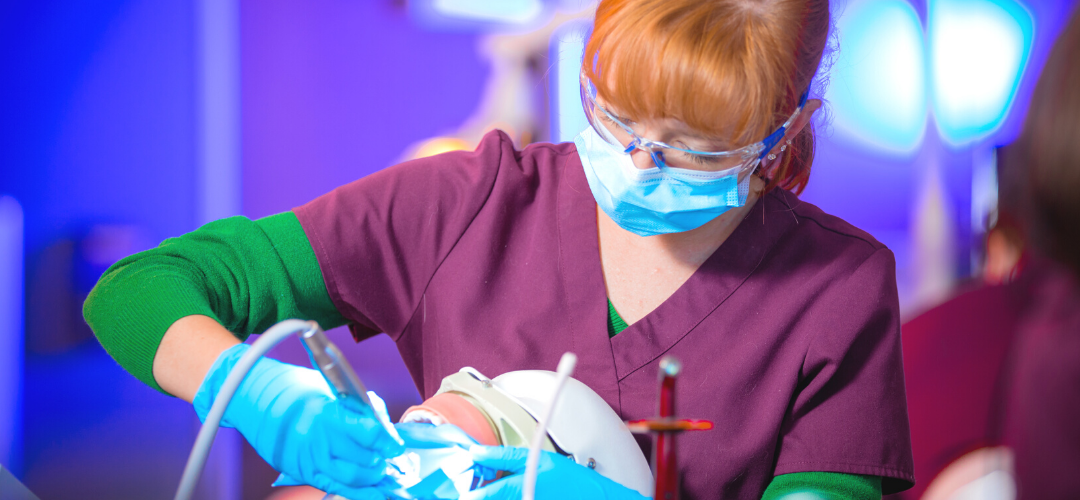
{"points": [[979, 49], [480, 16], [498, 11], [877, 88], [566, 49]]}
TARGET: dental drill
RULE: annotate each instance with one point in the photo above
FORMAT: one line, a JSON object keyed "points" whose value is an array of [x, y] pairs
{"points": [[347, 387]]}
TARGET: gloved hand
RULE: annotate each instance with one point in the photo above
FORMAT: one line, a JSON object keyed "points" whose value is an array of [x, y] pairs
{"points": [[291, 418], [558, 477]]}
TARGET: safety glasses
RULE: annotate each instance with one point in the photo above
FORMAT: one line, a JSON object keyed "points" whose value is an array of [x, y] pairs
{"points": [[620, 133]]}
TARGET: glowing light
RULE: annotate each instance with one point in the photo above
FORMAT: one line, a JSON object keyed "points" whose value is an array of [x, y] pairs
{"points": [[877, 88], [440, 145], [497, 11], [979, 49], [566, 49]]}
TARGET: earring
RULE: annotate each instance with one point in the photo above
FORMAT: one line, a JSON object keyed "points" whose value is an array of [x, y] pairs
{"points": [[783, 147]]}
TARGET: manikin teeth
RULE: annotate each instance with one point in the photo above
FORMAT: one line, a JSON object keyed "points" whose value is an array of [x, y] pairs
{"points": [[422, 416]]}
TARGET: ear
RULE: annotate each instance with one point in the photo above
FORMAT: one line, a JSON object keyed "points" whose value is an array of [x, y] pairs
{"points": [[803, 119], [797, 126]]}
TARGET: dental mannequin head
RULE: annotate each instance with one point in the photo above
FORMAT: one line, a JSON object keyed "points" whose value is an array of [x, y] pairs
{"points": [[504, 411]]}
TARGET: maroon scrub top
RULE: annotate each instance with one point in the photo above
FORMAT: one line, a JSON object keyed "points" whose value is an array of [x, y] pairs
{"points": [[789, 334]]}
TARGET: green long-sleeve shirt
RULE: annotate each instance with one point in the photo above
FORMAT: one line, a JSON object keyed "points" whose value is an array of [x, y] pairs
{"points": [[248, 275]]}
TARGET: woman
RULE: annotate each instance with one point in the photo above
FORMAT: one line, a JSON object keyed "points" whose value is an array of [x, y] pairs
{"points": [[785, 318]]}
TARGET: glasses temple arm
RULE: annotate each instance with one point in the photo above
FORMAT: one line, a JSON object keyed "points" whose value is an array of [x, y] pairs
{"points": [[769, 142]]}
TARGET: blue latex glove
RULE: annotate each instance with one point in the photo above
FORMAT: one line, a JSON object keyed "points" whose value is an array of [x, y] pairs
{"points": [[291, 418], [558, 477]]}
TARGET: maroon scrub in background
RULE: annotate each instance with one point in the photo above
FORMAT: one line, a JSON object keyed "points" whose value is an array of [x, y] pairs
{"points": [[1042, 419], [789, 333], [954, 362]]}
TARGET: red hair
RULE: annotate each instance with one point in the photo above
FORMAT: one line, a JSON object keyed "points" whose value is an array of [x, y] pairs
{"points": [[728, 68]]}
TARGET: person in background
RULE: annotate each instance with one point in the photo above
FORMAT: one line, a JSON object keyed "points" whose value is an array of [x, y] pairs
{"points": [[671, 225], [1042, 406], [955, 353], [992, 374]]}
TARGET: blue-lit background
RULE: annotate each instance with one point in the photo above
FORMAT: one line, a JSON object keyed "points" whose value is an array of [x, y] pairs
{"points": [[125, 122]]}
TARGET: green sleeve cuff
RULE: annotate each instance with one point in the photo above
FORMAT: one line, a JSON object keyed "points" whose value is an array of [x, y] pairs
{"points": [[824, 485]]}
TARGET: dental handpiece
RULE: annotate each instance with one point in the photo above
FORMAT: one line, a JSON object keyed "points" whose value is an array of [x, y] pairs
{"points": [[347, 387], [328, 359]]}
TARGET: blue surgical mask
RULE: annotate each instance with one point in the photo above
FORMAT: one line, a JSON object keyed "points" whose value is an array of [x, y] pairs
{"points": [[655, 201]]}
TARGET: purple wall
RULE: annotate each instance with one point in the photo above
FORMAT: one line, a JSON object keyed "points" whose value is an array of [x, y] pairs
{"points": [[99, 126], [335, 90]]}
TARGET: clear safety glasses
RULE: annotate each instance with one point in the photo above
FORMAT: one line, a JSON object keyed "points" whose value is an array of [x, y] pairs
{"points": [[619, 132]]}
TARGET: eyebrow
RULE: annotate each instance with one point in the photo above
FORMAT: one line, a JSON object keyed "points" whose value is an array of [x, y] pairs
{"points": [[713, 143]]}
